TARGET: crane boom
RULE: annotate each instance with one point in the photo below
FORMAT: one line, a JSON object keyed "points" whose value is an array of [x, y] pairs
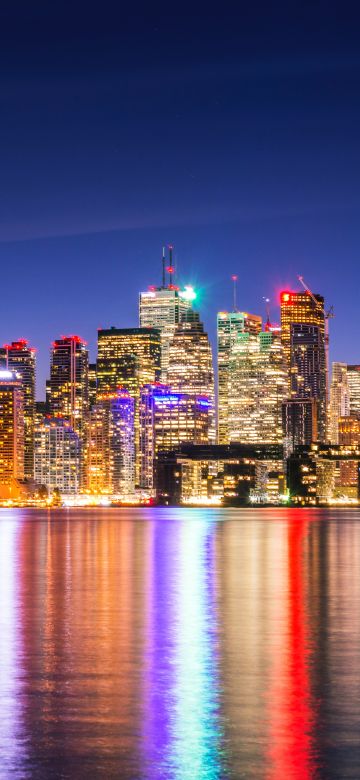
{"points": [[307, 289]]}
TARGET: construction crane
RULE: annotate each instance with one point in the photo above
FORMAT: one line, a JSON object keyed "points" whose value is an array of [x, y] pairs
{"points": [[328, 315]]}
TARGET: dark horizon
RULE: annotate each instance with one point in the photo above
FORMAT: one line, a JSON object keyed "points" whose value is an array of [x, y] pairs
{"points": [[232, 136]]}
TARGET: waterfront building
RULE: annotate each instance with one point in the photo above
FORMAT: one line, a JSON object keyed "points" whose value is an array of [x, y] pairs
{"points": [[353, 377], [163, 308], [57, 456], [128, 358], [111, 445], [257, 388], [339, 399], [229, 474], [304, 342], [229, 326], [349, 435], [167, 419], [299, 423], [190, 366], [69, 382], [12, 432], [315, 473], [21, 358]]}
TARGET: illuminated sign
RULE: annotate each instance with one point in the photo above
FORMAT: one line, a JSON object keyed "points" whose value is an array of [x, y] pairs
{"points": [[188, 293]]}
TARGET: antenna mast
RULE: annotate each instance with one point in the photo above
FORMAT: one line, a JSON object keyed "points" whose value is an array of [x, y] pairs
{"points": [[234, 281]]}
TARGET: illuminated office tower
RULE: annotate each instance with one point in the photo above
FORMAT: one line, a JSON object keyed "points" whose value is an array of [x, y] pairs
{"points": [[57, 456], [257, 388], [304, 342], [92, 384], [299, 423], [128, 358], [229, 325], [69, 382], [111, 447], [190, 367], [308, 369], [339, 400], [163, 308], [353, 376], [168, 419], [11, 430], [300, 308], [21, 358]]}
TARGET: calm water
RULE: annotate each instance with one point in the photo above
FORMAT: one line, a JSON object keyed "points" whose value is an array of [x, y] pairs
{"points": [[180, 644]]}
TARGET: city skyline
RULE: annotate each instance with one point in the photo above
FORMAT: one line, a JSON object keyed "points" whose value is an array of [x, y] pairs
{"points": [[338, 351]]}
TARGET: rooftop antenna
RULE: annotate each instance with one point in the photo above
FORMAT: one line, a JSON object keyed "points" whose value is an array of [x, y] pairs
{"points": [[170, 268], [234, 281], [163, 266], [267, 306]]}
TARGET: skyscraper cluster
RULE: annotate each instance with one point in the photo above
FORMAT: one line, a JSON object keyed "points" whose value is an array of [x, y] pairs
{"points": [[107, 428]]}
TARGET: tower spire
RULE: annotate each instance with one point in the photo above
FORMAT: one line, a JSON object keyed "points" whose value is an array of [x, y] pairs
{"points": [[234, 281]]}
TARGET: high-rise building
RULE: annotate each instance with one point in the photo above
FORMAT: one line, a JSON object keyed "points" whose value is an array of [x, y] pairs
{"points": [[353, 377], [229, 325], [11, 430], [308, 369], [111, 445], [57, 456], [21, 358], [190, 366], [168, 419], [128, 358], [349, 471], [304, 343], [257, 388], [69, 382], [299, 423], [339, 400], [163, 308]]}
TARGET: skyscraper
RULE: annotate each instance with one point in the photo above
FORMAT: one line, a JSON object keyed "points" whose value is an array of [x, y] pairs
{"points": [[111, 446], [57, 456], [308, 369], [22, 359], [304, 343], [190, 366], [128, 358], [69, 382], [339, 400], [11, 430], [163, 308], [353, 377], [257, 388], [166, 420], [229, 325]]}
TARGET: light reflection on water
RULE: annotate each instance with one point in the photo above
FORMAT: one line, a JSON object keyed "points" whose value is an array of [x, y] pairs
{"points": [[180, 644]]}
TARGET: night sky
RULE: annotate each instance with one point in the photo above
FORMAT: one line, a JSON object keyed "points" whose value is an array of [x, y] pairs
{"points": [[232, 133]]}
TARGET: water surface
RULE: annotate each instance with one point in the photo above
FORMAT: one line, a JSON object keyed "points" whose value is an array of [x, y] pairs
{"points": [[181, 644]]}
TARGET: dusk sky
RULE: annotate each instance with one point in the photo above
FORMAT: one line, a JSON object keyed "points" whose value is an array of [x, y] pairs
{"points": [[229, 133]]}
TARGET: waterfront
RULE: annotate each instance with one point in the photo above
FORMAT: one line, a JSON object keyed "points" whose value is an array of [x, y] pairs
{"points": [[179, 643]]}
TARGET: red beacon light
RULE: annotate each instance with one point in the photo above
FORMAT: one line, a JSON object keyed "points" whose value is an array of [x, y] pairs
{"points": [[170, 269]]}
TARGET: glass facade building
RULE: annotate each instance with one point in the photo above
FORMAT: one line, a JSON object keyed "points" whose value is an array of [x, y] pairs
{"points": [[111, 445], [21, 358], [257, 388], [229, 326], [167, 419], [11, 429]]}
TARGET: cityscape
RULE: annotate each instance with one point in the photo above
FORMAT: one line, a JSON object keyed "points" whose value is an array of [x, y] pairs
{"points": [[166, 418]]}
